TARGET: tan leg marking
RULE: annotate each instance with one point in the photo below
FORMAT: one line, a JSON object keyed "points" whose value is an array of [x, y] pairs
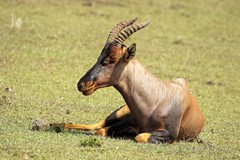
{"points": [[143, 137], [122, 112], [85, 127], [102, 131]]}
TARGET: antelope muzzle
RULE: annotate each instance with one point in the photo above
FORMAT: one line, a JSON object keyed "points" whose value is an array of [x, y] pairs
{"points": [[87, 84], [86, 88]]}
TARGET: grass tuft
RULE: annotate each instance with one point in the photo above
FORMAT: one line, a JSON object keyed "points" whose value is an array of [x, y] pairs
{"points": [[91, 142]]}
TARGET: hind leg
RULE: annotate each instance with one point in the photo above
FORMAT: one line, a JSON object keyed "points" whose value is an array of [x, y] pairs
{"points": [[113, 118], [123, 128], [156, 137]]}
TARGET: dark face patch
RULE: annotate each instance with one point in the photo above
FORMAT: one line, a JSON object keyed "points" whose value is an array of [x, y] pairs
{"points": [[99, 75], [111, 54]]}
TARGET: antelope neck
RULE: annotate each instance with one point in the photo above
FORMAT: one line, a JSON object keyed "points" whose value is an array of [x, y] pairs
{"points": [[141, 90]]}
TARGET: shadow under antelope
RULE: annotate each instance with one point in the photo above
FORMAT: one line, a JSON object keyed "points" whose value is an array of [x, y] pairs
{"points": [[156, 111]]}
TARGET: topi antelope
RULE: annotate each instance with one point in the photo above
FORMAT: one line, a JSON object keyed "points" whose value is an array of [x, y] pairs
{"points": [[156, 111]]}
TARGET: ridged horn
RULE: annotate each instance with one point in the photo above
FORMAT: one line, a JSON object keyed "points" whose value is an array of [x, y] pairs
{"points": [[123, 35], [118, 28]]}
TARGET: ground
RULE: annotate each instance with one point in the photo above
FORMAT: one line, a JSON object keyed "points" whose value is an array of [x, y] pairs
{"points": [[46, 46]]}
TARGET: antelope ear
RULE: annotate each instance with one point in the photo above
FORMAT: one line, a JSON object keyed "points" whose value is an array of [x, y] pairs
{"points": [[130, 52]]}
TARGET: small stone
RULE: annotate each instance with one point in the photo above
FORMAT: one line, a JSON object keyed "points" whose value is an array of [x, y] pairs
{"points": [[179, 41], [68, 111], [40, 125], [210, 83], [8, 89]]}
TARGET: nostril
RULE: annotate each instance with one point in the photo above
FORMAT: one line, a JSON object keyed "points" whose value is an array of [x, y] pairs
{"points": [[80, 85]]}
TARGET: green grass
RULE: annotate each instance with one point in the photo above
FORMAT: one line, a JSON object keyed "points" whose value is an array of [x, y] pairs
{"points": [[42, 59]]}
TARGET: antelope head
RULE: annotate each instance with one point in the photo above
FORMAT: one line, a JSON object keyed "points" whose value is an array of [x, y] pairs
{"points": [[114, 56]]}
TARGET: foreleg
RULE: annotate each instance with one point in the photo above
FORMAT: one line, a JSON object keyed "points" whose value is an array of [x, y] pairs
{"points": [[114, 117], [85, 127], [123, 128]]}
